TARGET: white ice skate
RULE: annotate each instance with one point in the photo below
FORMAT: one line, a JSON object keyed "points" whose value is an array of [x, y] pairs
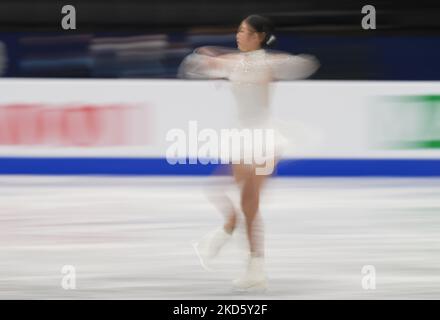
{"points": [[254, 279], [210, 245]]}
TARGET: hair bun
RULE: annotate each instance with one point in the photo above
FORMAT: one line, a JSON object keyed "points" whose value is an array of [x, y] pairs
{"points": [[272, 39]]}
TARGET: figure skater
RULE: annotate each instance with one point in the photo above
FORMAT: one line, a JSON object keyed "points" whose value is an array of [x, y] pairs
{"points": [[250, 69]]}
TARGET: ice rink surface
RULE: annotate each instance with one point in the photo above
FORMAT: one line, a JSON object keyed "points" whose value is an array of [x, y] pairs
{"points": [[130, 238]]}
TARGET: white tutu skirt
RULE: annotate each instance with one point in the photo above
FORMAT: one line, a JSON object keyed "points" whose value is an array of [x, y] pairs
{"points": [[259, 142], [252, 142]]}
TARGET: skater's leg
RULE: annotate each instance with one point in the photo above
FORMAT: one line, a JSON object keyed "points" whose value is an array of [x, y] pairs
{"points": [[255, 277], [250, 202], [211, 244], [222, 200]]}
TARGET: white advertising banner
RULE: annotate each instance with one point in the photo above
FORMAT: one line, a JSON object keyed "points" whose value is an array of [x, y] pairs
{"points": [[131, 118]]}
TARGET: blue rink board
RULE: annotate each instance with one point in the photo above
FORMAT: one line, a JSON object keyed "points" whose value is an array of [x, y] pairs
{"points": [[160, 166]]}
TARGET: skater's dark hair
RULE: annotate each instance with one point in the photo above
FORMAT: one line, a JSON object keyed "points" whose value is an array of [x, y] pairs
{"points": [[263, 24]]}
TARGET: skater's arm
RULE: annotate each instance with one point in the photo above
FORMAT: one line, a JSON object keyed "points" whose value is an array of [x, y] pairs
{"points": [[203, 63], [293, 67]]}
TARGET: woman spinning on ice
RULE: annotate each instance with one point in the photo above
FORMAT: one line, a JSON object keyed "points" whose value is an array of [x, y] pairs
{"points": [[250, 71]]}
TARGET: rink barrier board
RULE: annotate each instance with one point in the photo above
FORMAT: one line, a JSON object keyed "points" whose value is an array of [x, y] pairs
{"points": [[160, 166], [339, 128]]}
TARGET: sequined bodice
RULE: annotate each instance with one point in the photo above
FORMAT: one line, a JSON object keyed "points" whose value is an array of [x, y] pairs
{"points": [[250, 74], [250, 78]]}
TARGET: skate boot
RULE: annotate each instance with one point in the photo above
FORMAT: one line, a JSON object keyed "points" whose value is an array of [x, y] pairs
{"points": [[210, 245], [254, 279]]}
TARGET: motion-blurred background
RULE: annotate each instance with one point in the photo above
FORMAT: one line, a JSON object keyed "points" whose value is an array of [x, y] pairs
{"points": [[148, 39]]}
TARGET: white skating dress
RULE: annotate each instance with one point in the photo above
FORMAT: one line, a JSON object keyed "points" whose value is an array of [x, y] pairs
{"points": [[250, 74]]}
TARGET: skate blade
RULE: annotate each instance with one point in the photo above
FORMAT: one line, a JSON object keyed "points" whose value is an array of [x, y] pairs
{"points": [[196, 246], [259, 287]]}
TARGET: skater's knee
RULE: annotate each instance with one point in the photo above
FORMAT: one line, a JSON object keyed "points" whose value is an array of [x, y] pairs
{"points": [[231, 222], [249, 200], [249, 206]]}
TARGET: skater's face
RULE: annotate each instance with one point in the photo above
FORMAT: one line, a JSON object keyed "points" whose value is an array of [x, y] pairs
{"points": [[247, 38]]}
